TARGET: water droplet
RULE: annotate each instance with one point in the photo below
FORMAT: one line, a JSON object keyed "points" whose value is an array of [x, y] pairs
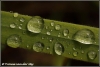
{"points": [[74, 49], [58, 35], [15, 14], [85, 36], [38, 47], [75, 54], [82, 51], [27, 46], [42, 37], [66, 32], [81, 58], [23, 32], [35, 25], [98, 49], [57, 27], [12, 25], [59, 49], [11, 11], [48, 48], [51, 39], [20, 24], [69, 53], [52, 24], [46, 27], [22, 20], [20, 27], [14, 41], [51, 30], [48, 33], [92, 55]]}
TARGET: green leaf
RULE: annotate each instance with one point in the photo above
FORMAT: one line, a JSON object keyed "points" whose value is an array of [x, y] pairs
{"points": [[78, 42]]}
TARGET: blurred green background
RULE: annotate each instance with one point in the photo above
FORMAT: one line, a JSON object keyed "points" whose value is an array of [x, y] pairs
{"points": [[78, 12]]}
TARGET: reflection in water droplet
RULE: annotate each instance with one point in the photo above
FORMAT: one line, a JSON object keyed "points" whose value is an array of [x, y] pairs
{"points": [[85, 36], [38, 47], [59, 49], [22, 20], [52, 24], [12, 25], [14, 41], [48, 33], [92, 55], [57, 27], [15, 14], [35, 25], [75, 54], [66, 32]]}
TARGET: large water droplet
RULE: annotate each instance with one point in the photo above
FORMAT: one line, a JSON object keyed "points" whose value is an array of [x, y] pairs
{"points": [[85, 36], [66, 32], [36, 24], [38, 47], [15, 14], [92, 55], [14, 41], [48, 33], [57, 27], [59, 49], [52, 23], [12, 25], [22, 20], [75, 54]]}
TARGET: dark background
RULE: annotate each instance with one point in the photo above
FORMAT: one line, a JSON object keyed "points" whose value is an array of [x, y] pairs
{"points": [[78, 12]]}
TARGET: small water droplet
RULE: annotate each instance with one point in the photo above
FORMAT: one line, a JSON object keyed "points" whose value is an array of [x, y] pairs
{"points": [[74, 48], [82, 51], [22, 20], [38, 47], [59, 49], [85, 36], [20, 27], [23, 32], [75, 54], [14, 41], [42, 37], [92, 55], [51, 39], [69, 53], [51, 30], [98, 50], [57, 27], [20, 24], [46, 27], [52, 23], [81, 58], [48, 48], [15, 14], [58, 35], [12, 25], [27, 46], [11, 11], [35, 25], [66, 32], [48, 33]]}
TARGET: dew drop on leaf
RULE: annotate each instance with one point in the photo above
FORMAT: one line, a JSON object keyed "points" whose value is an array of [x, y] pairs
{"points": [[35, 25], [38, 47], [59, 49], [92, 55], [22, 20], [14, 41], [57, 27], [84, 36], [20, 27], [52, 23], [75, 54], [15, 14], [74, 48], [66, 32], [48, 48], [48, 33], [12, 25]]}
